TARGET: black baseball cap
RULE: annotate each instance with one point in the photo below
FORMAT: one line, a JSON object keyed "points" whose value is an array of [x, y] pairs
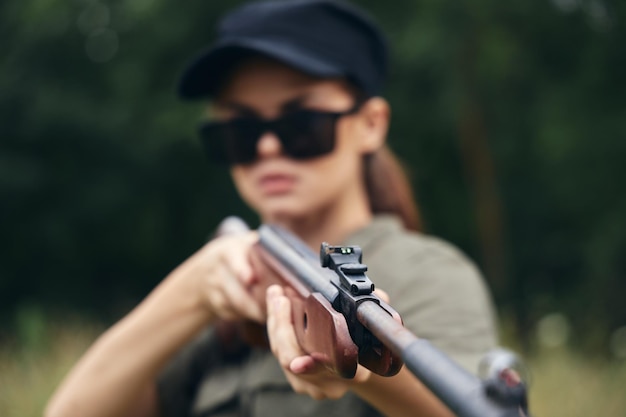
{"points": [[323, 38]]}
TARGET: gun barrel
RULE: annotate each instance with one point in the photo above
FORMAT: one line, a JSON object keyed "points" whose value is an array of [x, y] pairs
{"points": [[298, 259], [464, 393], [461, 391]]}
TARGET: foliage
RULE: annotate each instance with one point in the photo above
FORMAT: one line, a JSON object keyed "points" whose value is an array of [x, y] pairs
{"points": [[508, 115], [566, 384], [30, 373], [563, 384]]}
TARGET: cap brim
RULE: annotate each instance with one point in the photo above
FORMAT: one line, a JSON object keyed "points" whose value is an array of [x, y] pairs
{"points": [[204, 74]]}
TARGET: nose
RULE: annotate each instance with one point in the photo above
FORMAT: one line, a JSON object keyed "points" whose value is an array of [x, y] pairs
{"points": [[268, 145]]}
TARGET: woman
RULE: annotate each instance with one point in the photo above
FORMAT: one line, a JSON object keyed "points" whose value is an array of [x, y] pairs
{"points": [[297, 118]]}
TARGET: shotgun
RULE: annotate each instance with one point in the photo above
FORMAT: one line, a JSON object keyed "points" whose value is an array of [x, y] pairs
{"points": [[340, 322]]}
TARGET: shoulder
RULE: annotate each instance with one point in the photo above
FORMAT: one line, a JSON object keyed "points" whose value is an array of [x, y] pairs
{"points": [[386, 244], [439, 292]]}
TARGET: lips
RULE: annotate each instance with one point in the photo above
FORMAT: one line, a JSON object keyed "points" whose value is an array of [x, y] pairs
{"points": [[273, 184]]}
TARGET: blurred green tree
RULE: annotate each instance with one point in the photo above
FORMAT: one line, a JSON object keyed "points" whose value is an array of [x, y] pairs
{"points": [[509, 117]]}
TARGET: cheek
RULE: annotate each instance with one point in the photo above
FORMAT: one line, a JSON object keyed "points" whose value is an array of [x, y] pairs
{"points": [[333, 175], [343, 165], [243, 184]]}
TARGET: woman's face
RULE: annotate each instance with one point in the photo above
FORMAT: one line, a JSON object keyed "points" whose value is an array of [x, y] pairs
{"points": [[277, 187]]}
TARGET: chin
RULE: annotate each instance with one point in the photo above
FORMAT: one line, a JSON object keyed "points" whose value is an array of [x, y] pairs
{"points": [[280, 210]]}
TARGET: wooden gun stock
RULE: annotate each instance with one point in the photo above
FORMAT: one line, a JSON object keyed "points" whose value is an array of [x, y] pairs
{"points": [[341, 323], [322, 331]]}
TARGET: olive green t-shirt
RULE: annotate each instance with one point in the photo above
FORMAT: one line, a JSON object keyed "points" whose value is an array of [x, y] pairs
{"points": [[439, 293]]}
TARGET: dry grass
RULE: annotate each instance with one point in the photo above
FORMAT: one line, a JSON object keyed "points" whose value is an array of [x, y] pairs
{"points": [[29, 374], [563, 383], [568, 385]]}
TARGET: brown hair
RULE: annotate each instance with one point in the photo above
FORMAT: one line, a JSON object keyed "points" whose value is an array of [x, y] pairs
{"points": [[388, 188]]}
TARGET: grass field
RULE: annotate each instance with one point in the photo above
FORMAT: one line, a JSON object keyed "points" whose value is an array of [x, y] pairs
{"points": [[563, 383]]}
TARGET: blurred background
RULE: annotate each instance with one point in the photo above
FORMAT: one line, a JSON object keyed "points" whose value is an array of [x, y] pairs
{"points": [[510, 117]]}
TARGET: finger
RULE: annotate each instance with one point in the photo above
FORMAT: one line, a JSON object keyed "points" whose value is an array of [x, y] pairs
{"points": [[227, 298], [236, 257], [303, 365], [215, 294], [382, 295], [318, 389], [241, 300], [240, 275], [218, 299], [282, 336]]}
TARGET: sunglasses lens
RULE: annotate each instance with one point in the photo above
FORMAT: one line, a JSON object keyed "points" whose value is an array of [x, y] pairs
{"points": [[303, 134], [307, 134], [233, 142]]}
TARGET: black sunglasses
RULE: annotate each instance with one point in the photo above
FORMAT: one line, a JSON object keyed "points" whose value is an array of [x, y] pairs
{"points": [[303, 134]]}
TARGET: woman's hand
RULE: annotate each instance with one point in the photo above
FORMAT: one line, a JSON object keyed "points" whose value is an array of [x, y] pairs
{"points": [[225, 278], [399, 396], [116, 377], [305, 375]]}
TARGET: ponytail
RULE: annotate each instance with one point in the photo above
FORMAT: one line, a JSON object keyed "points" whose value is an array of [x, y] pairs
{"points": [[388, 188]]}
